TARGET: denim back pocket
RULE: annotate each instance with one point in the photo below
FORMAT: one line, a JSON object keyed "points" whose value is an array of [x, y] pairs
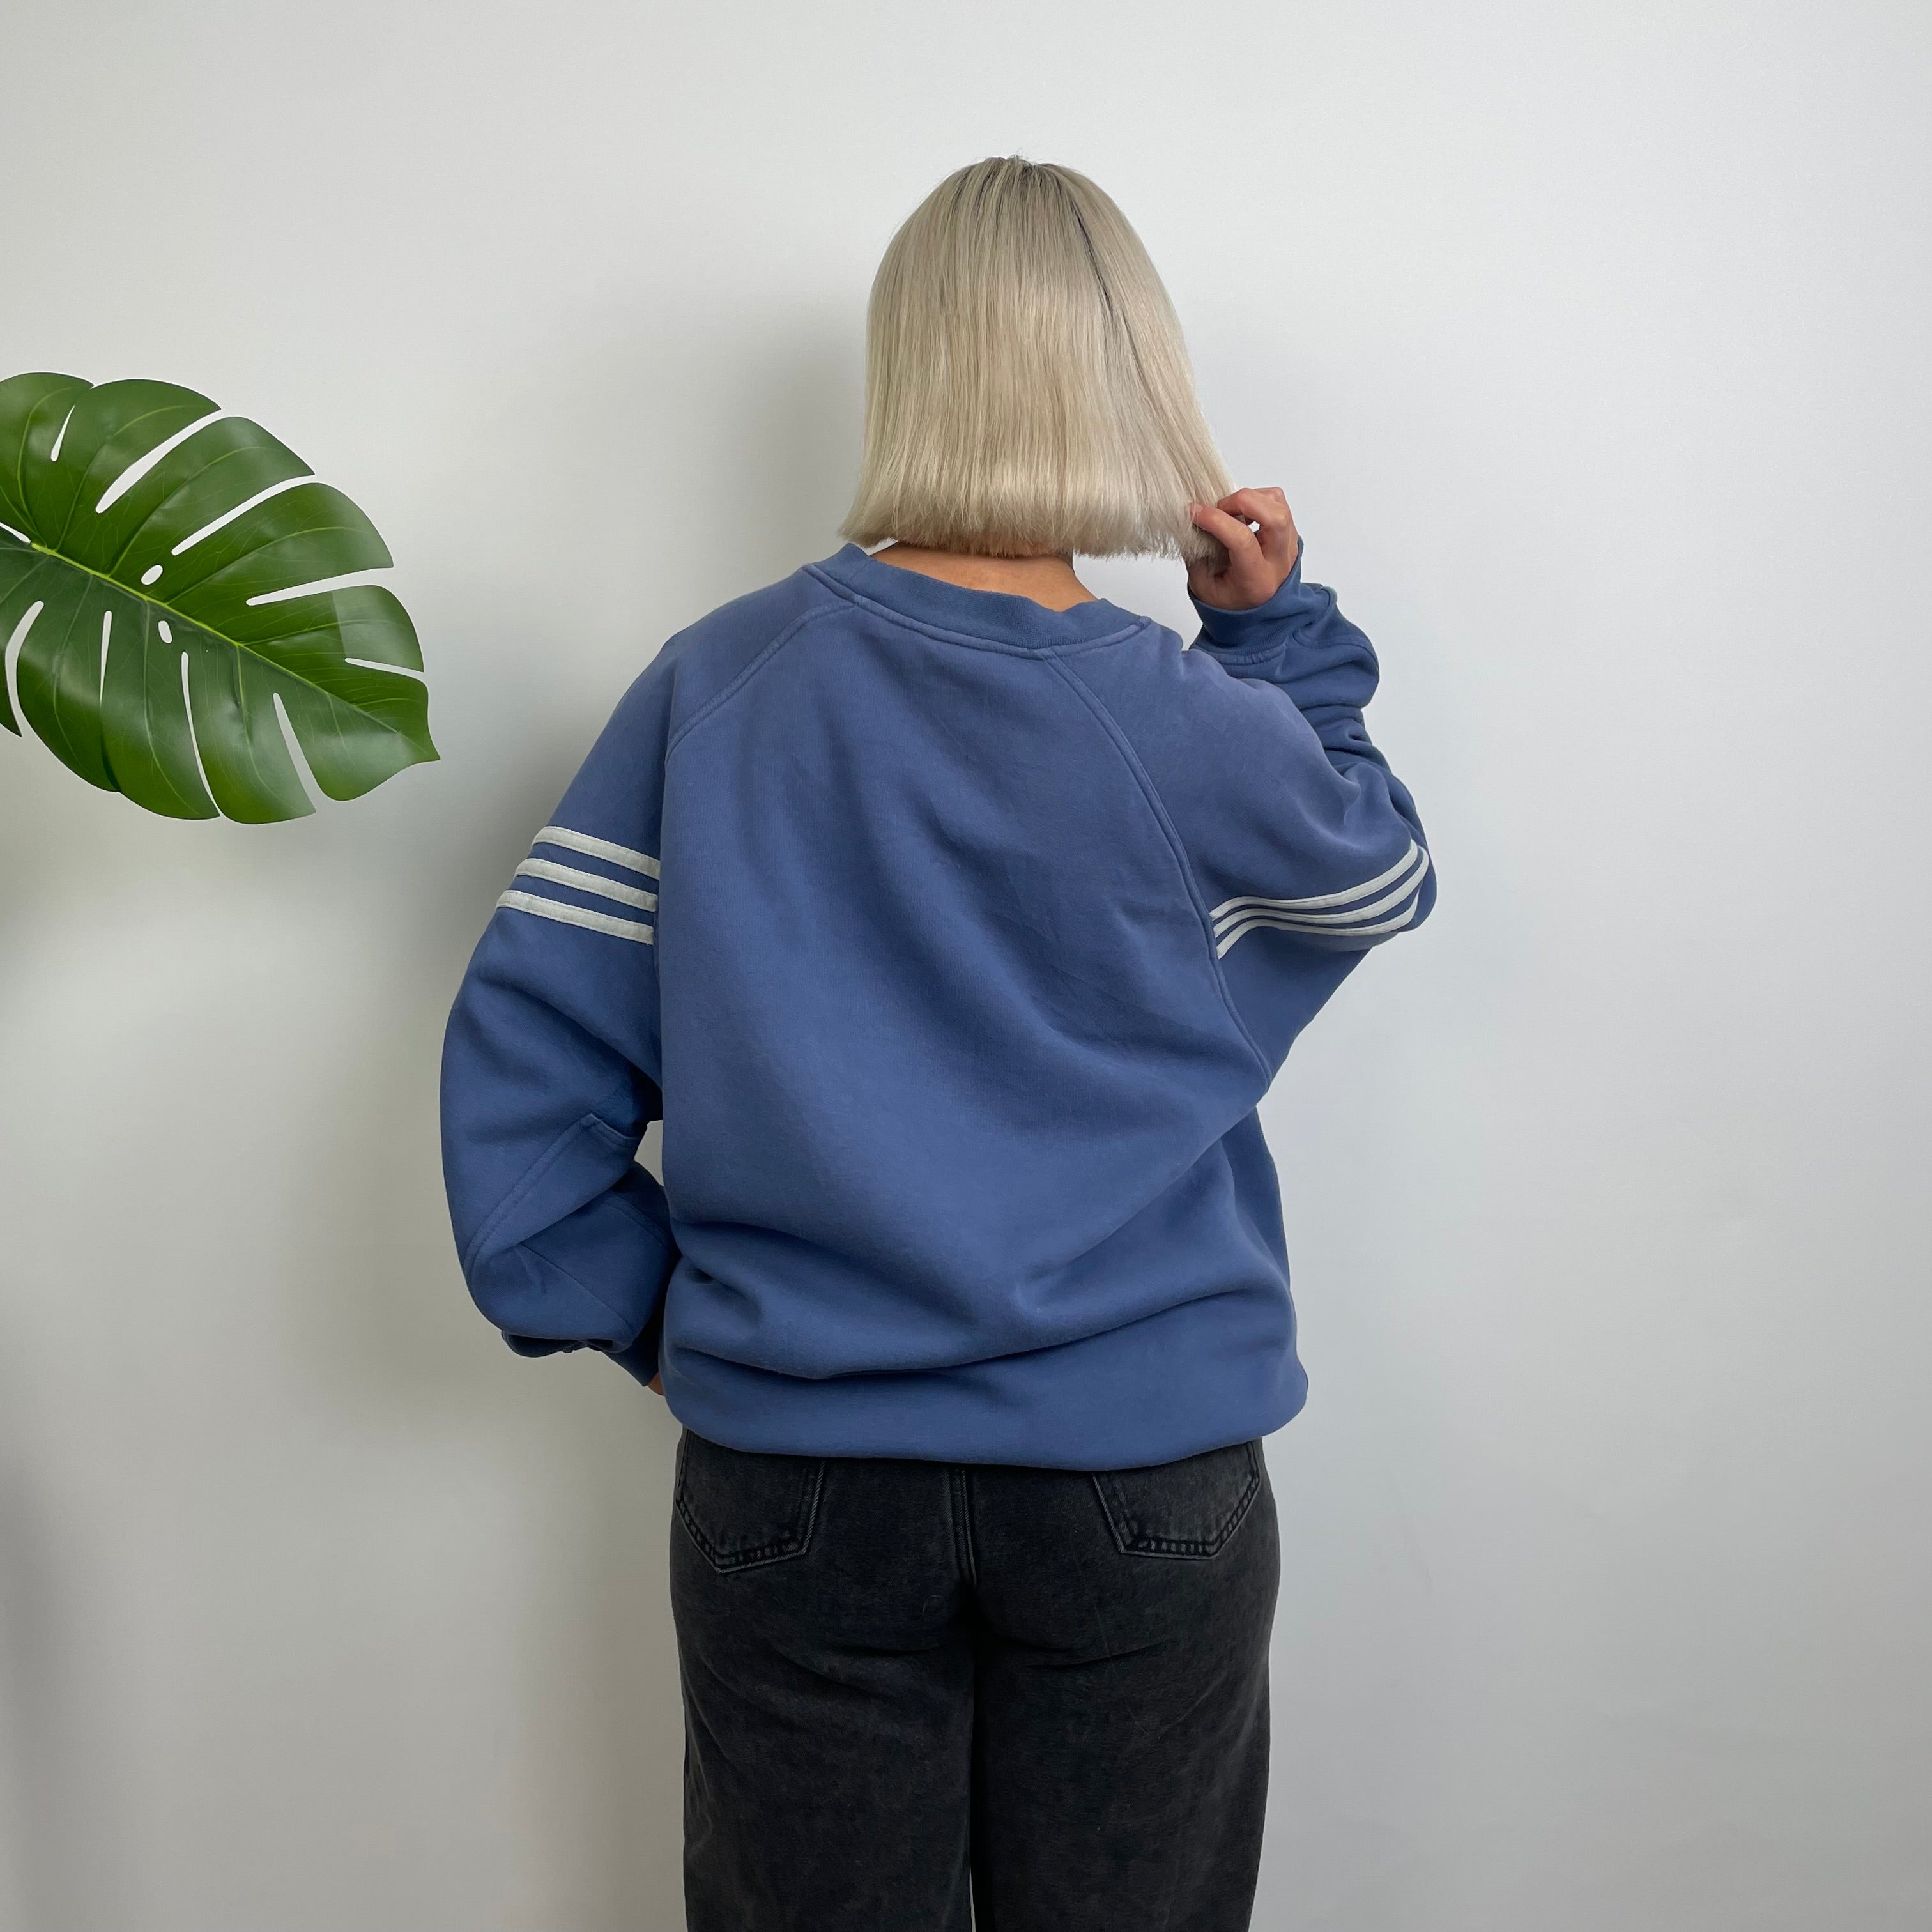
{"points": [[742, 1510], [1189, 1508]]}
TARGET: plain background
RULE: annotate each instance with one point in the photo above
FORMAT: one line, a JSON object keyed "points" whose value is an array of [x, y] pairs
{"points": [[1590, 343]]}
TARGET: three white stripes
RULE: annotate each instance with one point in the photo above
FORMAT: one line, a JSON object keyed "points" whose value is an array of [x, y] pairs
{"points": [[1352, 914], [595, 884]]}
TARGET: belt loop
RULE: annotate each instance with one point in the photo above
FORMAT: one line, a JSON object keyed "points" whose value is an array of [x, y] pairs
{"points": [[962, 1520]]}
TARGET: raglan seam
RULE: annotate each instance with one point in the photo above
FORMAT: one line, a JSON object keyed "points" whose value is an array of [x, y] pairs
{"points": [[1123, 746], [718, 699], [1113, 637]]}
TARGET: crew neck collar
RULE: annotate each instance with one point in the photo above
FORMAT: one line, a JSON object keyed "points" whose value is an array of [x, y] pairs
{"points": [[974, 616]]}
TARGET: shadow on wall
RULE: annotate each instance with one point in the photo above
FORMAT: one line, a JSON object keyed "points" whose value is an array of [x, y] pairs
{"points": [[391, 1600]]}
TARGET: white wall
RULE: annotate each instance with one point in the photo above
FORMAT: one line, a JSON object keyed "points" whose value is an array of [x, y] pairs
{"points": [[1590, 343]]}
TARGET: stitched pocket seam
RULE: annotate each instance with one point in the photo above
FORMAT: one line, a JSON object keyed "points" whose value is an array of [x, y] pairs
{"points": [[1132, 1539], [754, 1556]]}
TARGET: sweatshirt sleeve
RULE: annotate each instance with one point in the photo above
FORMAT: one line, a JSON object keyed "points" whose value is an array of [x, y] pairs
{"points": [[550, 1071], [1307, 850]]}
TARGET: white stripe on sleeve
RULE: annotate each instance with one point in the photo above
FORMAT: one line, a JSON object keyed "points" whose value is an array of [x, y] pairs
{"points": [[1354, 892], [1286, 922], [598, 848], [581, 881], [574, 915], [1352, 916]]}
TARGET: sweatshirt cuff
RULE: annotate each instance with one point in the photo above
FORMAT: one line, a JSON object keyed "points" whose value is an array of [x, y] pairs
{"points": [[537, 1345], [1259, 629], [640, 1356]]}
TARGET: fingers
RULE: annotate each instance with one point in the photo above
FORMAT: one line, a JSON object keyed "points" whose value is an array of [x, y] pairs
{"points": [[1257, 534], [1269, 509], [1235, 536]]}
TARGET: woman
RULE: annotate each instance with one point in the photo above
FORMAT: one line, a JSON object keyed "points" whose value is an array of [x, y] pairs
{"points": [[954, 921]]}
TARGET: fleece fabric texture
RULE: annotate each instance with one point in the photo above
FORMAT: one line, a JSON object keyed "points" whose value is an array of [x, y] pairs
{"points": [[954, 941]]}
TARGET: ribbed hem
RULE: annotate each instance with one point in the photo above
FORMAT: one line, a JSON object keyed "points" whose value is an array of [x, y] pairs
{"points": [[1195, 1378]]}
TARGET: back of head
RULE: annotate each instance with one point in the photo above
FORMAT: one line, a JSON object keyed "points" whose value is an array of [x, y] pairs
{"points": [[1027, 387]]}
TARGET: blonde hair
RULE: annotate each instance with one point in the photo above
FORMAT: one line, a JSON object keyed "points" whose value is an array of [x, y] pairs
{"points": [[1027, 387]]}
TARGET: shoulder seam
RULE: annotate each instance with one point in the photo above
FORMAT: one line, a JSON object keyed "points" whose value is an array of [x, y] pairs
{"points": [[719, 699], [1131, 758]]}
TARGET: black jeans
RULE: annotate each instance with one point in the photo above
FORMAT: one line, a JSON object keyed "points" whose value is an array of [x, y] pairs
{"points": [[921, 1697]]}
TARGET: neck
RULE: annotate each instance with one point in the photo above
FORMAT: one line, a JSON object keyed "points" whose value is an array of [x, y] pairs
{"points": [[1047, 579]]}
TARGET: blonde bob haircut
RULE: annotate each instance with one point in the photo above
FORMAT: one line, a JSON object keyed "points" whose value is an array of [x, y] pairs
{"points": [[1027, 390]]}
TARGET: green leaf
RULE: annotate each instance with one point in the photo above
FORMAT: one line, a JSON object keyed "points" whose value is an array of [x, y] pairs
{"points": [[147, 666]]}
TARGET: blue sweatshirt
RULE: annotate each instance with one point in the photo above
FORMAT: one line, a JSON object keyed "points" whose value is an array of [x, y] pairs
{"points": [[954, 940]]}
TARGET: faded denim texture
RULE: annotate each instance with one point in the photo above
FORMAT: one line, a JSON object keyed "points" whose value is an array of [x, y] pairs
{"points": [[922, 1696]]}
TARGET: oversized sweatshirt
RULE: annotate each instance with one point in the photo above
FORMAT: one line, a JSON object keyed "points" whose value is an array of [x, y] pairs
{"points": [[954, 940]]}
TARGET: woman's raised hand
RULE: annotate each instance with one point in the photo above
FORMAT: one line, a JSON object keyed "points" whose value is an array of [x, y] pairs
{"points": [[1256, 530]]}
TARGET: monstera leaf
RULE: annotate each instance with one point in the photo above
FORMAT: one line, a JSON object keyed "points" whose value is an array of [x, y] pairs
{"points": [[155, 646]]}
